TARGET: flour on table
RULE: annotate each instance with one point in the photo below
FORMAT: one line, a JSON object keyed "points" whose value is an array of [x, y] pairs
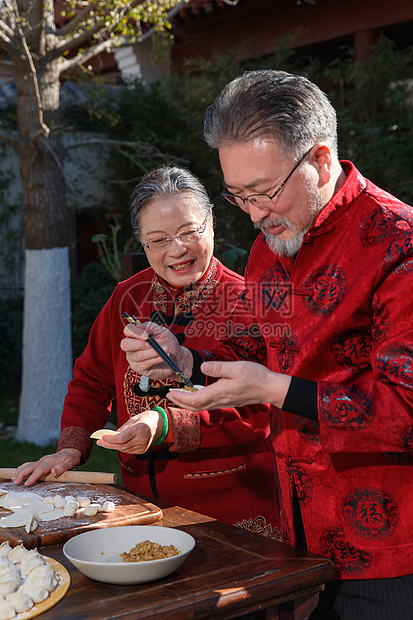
{"points": [[28, 509]]}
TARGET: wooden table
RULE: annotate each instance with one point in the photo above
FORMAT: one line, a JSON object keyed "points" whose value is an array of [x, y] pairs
{"points": [[230, 572]]}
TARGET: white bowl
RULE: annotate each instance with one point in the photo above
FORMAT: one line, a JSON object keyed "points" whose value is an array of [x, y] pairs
{"points": [[96, 553]]}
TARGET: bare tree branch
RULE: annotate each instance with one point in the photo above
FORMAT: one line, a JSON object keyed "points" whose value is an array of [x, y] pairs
{"points": [[149, 33], [7, 45], [87, 54], [147, 150], [105, 45], [40, 24], [77, 41], [58, 162], [6, 28], [20, 33], [77, 20], [102, 141]]}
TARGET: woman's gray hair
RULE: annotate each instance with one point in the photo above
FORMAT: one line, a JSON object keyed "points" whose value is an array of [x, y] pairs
{"points": [[290, 108], [167, 181]]}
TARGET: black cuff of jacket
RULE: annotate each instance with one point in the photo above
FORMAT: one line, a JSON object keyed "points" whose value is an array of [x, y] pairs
{"points": [[302, 398], [197, 377]]}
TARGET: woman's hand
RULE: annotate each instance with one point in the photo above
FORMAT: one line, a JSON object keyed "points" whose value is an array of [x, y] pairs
{"points": [[136, 435], [54, 464], [240, 383], [144, 360]]}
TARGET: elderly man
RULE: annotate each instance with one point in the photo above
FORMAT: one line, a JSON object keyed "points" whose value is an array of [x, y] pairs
{"points": [[329, 343]]}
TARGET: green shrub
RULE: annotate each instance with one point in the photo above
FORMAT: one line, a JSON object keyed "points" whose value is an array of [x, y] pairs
{"points": [[11, 318], [373, 102], [90, 291]]}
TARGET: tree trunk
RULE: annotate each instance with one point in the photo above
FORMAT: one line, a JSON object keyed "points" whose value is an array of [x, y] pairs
{"points": [[47, 350]]}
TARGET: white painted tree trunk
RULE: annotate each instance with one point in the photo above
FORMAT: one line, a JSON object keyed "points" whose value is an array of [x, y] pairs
{"points": [[47, 354]]}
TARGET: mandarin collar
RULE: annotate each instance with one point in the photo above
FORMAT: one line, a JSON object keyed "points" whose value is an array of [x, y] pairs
{"points": [[175, 291], [352, 187]]}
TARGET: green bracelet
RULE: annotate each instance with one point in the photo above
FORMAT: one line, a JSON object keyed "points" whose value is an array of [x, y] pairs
{"points": [[165, 425]]}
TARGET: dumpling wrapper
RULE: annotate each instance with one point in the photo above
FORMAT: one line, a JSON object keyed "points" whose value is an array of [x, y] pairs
{"points": [[194, 389], [103, 431], [57, 513], [40, 508], [13, 499], [18, 518]]}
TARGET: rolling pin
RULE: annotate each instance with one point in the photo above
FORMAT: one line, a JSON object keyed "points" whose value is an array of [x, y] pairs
{"points": [[93, 477]]}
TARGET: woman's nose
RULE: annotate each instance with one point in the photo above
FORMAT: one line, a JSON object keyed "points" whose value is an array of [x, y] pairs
{"points": [[177, 247]]}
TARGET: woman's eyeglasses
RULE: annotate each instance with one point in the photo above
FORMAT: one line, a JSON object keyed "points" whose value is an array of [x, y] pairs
{"points": [[187, 236]]}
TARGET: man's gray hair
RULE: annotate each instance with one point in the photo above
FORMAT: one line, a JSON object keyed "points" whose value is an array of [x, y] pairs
{"points": [[290, 108], [167, 181]]}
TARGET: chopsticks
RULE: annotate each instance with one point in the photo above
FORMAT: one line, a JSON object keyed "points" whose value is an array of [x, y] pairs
{"points": [[163, 354]]}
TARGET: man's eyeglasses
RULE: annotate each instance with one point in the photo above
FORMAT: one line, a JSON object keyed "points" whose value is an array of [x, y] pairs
{"points": [[264, 201], [187, 236]]}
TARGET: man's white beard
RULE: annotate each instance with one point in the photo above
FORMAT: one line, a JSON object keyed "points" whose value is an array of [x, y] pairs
{"points": [[284, 247], [292, 245]]}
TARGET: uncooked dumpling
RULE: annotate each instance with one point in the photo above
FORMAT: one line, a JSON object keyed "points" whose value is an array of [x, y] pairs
{"points": [[48, 582], [8, 572], [30, 561], [20, 601], [5, 549], [5, 563], [9, 586], [17, 553], [32, 523], [43, 575], [6, 610], [36, 593]]}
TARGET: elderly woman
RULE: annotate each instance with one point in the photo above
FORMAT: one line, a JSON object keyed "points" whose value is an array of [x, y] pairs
{"points": [[220, 462]]}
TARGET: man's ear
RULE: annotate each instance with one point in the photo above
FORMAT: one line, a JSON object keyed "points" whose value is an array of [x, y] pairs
{"points": [[322, 160]]}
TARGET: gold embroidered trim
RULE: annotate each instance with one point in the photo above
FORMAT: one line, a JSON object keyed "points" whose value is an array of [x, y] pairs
{"points": [[213, 474], [258, 525], [190, 298]]}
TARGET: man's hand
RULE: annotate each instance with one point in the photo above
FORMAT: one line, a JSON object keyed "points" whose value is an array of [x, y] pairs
{"points": [[240, 383], [145, 361]]}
